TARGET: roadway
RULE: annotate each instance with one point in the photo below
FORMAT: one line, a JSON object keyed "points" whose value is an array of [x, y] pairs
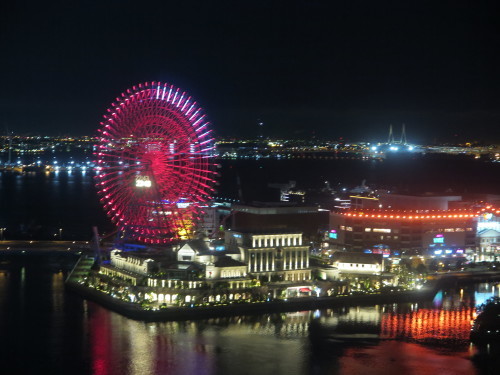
{"points": [[73, 246]]}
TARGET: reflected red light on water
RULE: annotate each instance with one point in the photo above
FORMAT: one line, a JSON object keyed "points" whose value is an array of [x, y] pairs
{"points": [[394, 357], [101, 338], [426, 324]]}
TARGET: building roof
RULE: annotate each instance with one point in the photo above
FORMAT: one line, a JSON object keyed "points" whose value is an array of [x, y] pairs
{"points": [[275, 208], [488, 232], [353, 257], [181, 266], [408, 214], [259, 232], [198, 246], [226, 261]]}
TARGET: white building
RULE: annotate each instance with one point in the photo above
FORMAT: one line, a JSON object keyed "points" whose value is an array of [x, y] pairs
{"points": [[225, 267], [359, 263], [132, 263], [268, 255], [488, 244]]}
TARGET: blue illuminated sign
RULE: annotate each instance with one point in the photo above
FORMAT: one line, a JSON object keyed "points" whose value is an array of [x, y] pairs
{"points": [[438, 239], [332, 234]]}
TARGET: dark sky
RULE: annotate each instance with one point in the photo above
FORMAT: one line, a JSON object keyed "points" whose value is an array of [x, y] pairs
{"points": [[325, 68]]}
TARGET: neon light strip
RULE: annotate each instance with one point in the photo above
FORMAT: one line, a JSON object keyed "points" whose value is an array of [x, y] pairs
{"points": [[175, 96], [190, 108], [185, 104], [205, 134], [195, 114], [202, 127], [180, 100], [197, 121]]}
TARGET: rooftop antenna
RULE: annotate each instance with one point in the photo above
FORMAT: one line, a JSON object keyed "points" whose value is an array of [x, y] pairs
{"points": [[403, 135], [261, 128], [391, 135]]}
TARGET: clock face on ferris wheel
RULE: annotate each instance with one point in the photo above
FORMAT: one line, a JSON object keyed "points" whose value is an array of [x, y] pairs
{"points": [[154, 160]]}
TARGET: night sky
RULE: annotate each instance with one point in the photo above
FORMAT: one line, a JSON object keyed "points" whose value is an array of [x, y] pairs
{"points": [[327, 69]]}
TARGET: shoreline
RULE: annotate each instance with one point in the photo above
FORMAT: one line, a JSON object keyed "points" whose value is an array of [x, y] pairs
{"points": [[134, 311]]}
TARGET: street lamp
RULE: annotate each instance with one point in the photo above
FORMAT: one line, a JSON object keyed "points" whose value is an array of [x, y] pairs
{"points": [[60, 234], [1, 233]]}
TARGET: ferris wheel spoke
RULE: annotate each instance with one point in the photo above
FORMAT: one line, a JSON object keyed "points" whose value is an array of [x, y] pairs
{"points": [[155, 133]]}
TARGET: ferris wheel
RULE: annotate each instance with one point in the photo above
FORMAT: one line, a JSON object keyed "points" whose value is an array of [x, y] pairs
{"points": [[154, 159]]}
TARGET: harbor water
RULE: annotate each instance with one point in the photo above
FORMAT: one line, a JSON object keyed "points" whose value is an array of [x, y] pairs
{"points": [[46, 329]]}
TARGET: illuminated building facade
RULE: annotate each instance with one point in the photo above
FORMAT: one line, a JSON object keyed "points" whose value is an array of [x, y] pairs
{"points": [[409, 231], [225, 267], [272, 256], [359, 263], [133, 263], [488, 236]]}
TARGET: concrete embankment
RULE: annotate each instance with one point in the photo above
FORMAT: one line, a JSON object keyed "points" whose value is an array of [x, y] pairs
{"points": [[135, 311]]}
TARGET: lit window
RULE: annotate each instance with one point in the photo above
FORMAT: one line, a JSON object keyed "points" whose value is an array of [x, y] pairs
{"points": [[381, 230]]}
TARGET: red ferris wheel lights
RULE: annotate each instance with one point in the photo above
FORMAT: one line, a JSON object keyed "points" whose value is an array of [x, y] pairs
{"points": [[154, 168]]}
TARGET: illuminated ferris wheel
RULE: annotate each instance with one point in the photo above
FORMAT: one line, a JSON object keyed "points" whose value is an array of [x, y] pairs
{"points": [[154, 162]]}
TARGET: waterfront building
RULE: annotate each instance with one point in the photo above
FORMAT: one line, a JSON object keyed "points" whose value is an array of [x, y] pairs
{"points": [[217, 264], [472, 231], [358, 263], [488, 244], [278, 217], [488, 236], [193, 251], [402, 230], [132, 278], [224, 267], [272, 256], [158, 279], [133, 262]]}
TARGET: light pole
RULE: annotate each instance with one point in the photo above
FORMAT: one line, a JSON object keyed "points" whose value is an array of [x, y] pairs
{"points": [[60, 234], [1, 233]]}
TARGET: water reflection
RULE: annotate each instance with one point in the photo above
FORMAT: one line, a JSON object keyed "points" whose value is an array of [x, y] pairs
{"points": [[400, 338], [61, 333]]}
